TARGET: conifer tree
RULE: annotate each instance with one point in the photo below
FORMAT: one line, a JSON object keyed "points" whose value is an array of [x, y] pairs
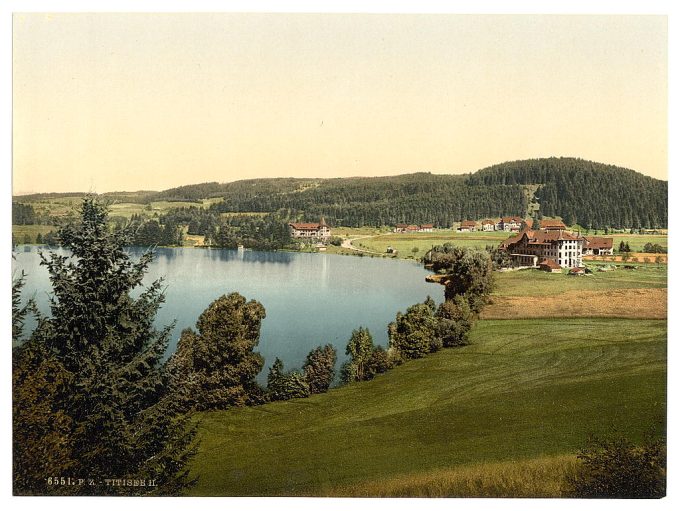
{"points": [[117, 420]]}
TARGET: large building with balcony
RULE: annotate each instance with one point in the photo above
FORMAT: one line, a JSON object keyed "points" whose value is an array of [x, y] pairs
{"points": [[529, 247], [310, 230]]}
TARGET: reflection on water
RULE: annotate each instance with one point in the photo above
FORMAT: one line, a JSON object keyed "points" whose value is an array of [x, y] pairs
{"points": [[310, 299]]}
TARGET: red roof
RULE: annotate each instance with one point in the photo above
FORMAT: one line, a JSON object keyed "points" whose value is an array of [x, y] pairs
{"points": [[552, 224], [302, 227], [468, 223], [540, 237], [550, 263], [598, 242], [427, 226], [511, 219], [487, 222]]}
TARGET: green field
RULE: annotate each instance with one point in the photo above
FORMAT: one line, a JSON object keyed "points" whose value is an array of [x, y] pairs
{"points": [[525, 389], [404, 243], [20, 232], [637, 241], [539, 283]]}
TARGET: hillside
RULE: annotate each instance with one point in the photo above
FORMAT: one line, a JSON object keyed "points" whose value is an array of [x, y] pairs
{"points": [[523, 392], [591, 194]]}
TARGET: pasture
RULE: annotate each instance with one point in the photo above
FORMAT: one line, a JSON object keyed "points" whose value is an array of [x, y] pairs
{"points": [[524, 390]]}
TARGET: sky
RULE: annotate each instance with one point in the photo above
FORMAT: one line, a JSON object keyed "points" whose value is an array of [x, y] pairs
{"points": [[111, 102]]}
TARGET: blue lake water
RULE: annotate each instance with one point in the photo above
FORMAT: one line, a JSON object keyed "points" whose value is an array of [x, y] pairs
{"points": [[310, 299]]}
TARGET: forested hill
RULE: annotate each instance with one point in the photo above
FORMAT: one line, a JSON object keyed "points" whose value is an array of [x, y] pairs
{"points": [[584, 192], [591, 194], [411, 198]]}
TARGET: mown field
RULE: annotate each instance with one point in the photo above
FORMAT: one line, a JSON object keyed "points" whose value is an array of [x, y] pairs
{"points": [[524, 390]]}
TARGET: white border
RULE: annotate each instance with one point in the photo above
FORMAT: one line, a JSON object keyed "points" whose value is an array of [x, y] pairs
{"points": [[354, 6]]}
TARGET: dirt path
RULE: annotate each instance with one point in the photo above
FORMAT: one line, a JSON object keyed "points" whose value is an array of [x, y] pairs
{"points": [[616, 303], [347, 243]]}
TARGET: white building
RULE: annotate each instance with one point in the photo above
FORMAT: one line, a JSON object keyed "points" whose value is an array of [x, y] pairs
{"points": [[488, 225], [509, 223], [596, 245], [310, 230], [563, 247]]}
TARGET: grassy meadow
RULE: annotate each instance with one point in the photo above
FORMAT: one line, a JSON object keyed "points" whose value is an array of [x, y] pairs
{"points": [[404, 243], [525, 390], [540, 283], [23, 233]]}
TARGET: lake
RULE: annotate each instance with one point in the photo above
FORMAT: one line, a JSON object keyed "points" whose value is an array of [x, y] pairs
{"points": [[310, 299]]}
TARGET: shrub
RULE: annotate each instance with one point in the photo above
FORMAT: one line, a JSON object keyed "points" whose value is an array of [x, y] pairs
{"points": [[414, 334], [615, 468], [455, 321]]}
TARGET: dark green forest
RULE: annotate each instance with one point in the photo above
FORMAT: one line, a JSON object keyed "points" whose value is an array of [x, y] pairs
{"points": [[593, 195]]}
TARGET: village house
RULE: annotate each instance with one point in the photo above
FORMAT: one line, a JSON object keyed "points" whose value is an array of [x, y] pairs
{"points": [[401, 228], [509, 223], [562, 247], [467, 226], [488, 225], [595, 245], [310, 230]]}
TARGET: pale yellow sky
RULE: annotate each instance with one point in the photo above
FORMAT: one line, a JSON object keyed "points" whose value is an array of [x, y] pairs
{"points": [[107, 102]]}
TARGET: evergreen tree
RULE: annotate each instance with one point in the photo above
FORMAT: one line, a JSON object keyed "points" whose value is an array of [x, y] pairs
{"points": [[282, 385], [116, 419], [19, 313]]}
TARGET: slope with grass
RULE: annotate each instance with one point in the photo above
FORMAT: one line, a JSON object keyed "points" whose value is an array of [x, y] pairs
{"points": [[525, 389]]}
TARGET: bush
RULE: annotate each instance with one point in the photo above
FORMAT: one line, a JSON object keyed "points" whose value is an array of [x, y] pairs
{"points": [[456, 318], [615, 468], [414, 334]]}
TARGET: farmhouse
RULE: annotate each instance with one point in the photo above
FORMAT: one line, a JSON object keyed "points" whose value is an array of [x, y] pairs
{"points": [[310, 230], [488, 225], [413, 228], [467, 226], [509, 223], [563, 247], [595, 245]]}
